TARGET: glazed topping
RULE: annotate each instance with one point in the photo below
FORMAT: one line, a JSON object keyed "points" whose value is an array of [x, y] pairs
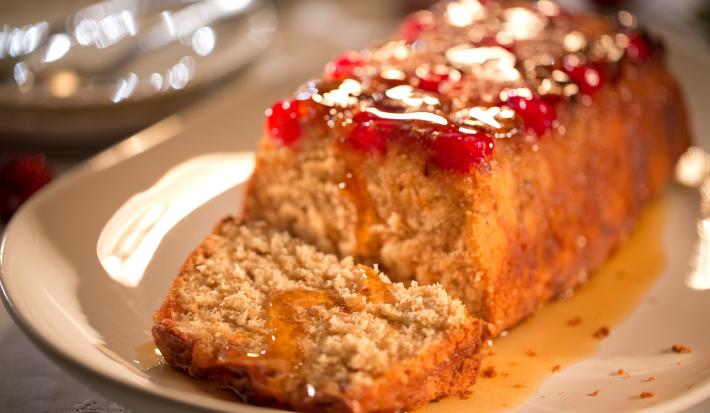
{"points": [[344, 66], [589, 78], [538, 115], [639, 48], [413, 25], [457, 151], [282, 120], [465, 73], [370, 133]]}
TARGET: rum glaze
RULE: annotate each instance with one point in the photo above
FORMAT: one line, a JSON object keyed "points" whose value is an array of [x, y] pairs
{"points": [[563, 331]]}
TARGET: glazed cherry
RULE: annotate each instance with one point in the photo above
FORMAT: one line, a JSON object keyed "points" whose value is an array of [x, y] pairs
{"points": [[590, 78], [639, 48], [21, 177], [456, 151], [369, 133], [282, 121], [344, 66], [430, 78], [537, 114], [414, 25]]}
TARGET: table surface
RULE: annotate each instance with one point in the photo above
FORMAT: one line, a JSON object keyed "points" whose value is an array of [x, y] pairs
{"points": [[29, 381]]}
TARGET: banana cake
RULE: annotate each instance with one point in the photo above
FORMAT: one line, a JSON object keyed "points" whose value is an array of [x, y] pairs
{"points": [[499, 148], [286, 325]]}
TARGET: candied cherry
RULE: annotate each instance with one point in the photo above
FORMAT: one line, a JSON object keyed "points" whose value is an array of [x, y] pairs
{"points": [[21, 177], [639, 48], [414, 25], [590, 78], [457, 151], [369, 133], [344, 65], [282, 121], [536, 113], [430, 78]]}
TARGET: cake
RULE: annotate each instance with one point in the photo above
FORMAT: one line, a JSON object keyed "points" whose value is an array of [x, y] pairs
{"points": [[502, 149], [286, 325]]}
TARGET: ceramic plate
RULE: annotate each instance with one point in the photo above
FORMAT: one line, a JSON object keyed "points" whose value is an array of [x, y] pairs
{"points": [[87, 261]]}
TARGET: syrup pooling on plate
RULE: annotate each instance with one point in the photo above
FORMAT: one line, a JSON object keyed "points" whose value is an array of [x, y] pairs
{"points": [[515, 365], [462, 57]]}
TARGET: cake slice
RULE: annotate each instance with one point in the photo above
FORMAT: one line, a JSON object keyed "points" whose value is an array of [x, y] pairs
{"points": [[502, 149], [283, 324]]}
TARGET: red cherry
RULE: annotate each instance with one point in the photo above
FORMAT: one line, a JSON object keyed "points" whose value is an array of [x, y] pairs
{"points": [[537, 114], [414, 25], [639, 48], [589, 77], [21, 177], [344, 66], [456, 151], [282, 121], [429, 78], [370, 133]]}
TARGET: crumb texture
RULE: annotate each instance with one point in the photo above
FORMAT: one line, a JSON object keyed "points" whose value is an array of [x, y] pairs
{"points": [[297, 326]]}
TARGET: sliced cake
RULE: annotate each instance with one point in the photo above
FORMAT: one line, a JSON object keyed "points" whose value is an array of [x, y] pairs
{"points": [[283, 324]]}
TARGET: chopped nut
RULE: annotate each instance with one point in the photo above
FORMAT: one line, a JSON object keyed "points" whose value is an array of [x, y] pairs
{"points": [[647, 394], [680, 348], [489, 372], [603, 332]]}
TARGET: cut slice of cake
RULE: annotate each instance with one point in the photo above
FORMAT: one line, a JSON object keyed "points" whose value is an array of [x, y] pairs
{"points": [[502, 149], [283, 324]]}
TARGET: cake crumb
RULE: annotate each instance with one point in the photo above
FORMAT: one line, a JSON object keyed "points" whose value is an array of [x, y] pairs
{"points": [[602, 333], [622, 373], [680, 348], [556, 368], [647, 394], [530, 353], [574, 321], [649, 379], [595, 393], [489, 372], [518, 386]]}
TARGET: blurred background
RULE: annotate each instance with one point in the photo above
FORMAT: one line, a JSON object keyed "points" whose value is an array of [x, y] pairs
{"points": [[79, 75]]}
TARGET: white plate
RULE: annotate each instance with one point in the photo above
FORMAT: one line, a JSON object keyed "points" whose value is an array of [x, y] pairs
{"points": [[93, 316]]}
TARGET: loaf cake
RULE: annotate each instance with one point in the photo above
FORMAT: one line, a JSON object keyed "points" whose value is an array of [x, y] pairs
{"points": [[283, 324], [499, 148]]}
